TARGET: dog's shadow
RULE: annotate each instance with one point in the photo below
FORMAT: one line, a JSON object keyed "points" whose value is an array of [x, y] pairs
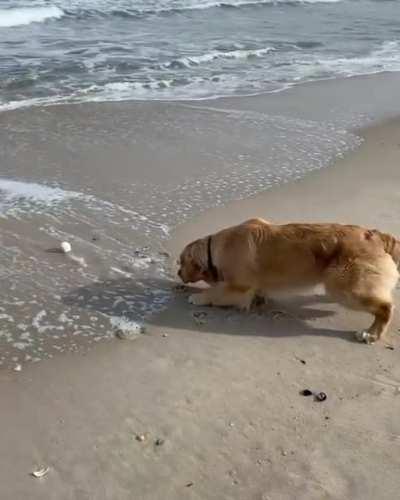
{"points": [[126, 298]]}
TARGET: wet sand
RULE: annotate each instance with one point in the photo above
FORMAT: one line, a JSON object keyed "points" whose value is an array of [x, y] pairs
{"points": [[218, 403]]}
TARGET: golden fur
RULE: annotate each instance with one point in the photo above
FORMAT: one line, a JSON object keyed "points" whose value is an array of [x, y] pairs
{"points": [[357, 266]]}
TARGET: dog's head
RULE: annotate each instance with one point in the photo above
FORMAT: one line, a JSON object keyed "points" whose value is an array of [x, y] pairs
{"points": [[193, 264]]}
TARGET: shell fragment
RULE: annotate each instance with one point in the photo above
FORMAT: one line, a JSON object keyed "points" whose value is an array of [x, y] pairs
{"points": [[40, 472]]}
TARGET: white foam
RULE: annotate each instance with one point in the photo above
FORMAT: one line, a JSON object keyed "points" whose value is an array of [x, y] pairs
{"points": [[26, 15], [149, 6], [384, 58], [12, 193], [217, 54], [127, 327]]}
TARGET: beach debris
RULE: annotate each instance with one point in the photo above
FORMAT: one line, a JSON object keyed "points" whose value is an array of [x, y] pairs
{"points": [[140, 437], [390, 347], [40, 472], [180, 288], [200, 317], [190, 484], [159, 441], [17, 368], [284, 453], [165, 335], [278, 314], [65, 247], [302, 361], [320, 396]]}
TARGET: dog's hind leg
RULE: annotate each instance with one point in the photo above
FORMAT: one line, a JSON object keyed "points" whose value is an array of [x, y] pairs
{"points": [[224, 295], [366, 285], [382, 311]]}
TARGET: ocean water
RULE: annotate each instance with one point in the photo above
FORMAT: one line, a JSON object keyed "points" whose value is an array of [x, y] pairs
{"points": [[102, 50]]}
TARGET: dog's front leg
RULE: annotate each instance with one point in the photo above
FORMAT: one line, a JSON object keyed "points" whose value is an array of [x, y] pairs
{"points": [[224, 295]]}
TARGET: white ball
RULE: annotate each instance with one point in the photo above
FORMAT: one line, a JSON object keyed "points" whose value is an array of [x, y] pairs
{"points": [[66, 247]]}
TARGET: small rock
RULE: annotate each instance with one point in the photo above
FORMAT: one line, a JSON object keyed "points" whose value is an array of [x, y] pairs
{"points": [[390, 347], [140, 437], [321, 396], [189, 485], [159, 442], [231, 424], [165, 335], [284, 453], [306, 392]]}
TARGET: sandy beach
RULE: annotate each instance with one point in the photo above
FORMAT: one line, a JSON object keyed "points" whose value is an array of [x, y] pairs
{"points": [[213, 410]]}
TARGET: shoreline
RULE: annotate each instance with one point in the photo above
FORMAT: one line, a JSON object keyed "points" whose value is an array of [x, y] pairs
{"points": [[390, 76], [223, 396]]}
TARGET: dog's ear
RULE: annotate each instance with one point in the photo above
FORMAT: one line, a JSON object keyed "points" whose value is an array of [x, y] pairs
{"points": [[199, 255]]}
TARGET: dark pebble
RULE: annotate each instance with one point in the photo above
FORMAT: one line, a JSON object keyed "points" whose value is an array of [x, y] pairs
{"points": [[306, 392], [159, 442], [321, 396], [188, 485]]}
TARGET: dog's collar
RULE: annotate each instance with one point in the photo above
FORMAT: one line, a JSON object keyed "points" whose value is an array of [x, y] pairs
{"points": [[212, 268]]}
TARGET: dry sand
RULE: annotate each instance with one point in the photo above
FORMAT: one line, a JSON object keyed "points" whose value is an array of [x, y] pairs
{"points": [[223, 396]]}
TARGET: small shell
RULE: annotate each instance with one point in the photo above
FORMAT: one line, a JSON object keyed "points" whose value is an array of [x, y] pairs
{"points": [[65, 247], [40, 472]]}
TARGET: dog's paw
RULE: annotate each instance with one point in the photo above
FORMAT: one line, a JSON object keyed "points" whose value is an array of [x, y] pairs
{"points": [[365, 337], [197, 299]]}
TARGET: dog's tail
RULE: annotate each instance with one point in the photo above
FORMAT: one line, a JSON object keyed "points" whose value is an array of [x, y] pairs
{"points": [[390, 244]]}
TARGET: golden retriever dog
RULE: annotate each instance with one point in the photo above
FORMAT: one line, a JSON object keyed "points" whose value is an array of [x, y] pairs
{"points": [[357, 266]]}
